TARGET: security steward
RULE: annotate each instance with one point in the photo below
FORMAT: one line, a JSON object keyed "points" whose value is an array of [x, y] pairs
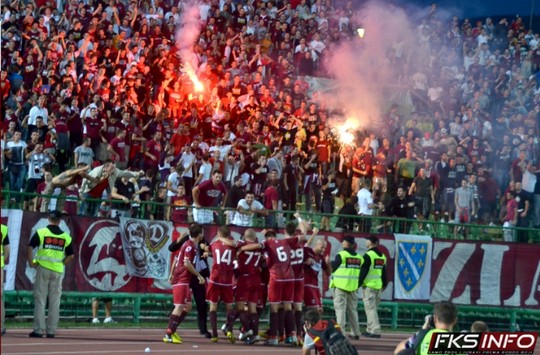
{"points": [[54, 251], [373, 281], [4, 260], [345, 280]]}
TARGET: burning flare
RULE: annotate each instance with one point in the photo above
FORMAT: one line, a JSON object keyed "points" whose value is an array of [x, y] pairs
{"points": [[197, 85], [346, 131]]}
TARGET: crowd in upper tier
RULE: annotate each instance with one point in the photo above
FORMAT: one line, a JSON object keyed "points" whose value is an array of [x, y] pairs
{"points": [[87, 82]]}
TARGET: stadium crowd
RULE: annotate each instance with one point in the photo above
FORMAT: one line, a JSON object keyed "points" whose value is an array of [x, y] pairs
{"points": [[97, 101]]}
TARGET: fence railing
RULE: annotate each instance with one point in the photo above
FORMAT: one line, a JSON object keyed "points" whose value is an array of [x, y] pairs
{"points": [[151, 307], [376, 224]]}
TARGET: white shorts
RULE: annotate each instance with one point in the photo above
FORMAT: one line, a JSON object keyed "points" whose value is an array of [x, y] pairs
{"points": [[203, 216]]}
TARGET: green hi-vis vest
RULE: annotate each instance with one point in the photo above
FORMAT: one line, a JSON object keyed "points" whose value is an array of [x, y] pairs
{"points": [[3, 230], [51, 252], [423, 348], [373, 279], [346, 276]]}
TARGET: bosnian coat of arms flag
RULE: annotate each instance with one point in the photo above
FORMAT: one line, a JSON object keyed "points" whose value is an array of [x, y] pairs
{"points": [[413, 267]]}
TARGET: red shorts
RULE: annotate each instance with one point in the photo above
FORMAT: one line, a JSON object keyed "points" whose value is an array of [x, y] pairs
{"points": [[312, 296], [216, 292], [248, 288], [298, 291], [463, 216], [181, 294], [263, 296], [280, 291]]}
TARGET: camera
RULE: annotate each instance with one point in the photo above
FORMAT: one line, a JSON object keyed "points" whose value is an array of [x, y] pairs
{"points": [[429, 319]]}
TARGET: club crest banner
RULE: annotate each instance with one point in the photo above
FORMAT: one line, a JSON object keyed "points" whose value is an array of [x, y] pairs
{"points": [[146, 247], [412, 267]]}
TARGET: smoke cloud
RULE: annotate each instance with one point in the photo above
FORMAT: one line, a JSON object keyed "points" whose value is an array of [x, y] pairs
{"points": [[187, 34], [373, 71]]}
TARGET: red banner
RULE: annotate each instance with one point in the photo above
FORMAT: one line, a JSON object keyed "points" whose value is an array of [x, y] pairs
{"points": [[475, 273]]}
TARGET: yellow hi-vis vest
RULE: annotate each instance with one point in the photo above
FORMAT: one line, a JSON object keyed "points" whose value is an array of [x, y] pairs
{"points": [[4, 231], [51, 252], [346, 276], [373, 279]]}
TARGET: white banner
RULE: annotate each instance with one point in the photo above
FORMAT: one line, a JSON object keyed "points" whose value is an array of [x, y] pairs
{"points": [[145, 245], [412, 273]]}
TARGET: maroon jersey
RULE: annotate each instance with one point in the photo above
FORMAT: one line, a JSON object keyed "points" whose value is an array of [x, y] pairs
{"points": [[61, 122], [155, 149], [93, 126], [249, 262], [279, 257], [188, 252], [223, 266], [311, 272], [297, 260], [209, 193], [119, 145]]}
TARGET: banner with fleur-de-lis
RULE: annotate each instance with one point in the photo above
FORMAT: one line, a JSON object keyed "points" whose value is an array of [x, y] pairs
{"points": [[412, 267]]}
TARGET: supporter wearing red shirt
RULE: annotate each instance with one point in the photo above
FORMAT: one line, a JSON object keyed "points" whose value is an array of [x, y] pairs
{"points": [[93, 127], [153, 152], [117, 149], [180, 139], [179, 203], [271, 200], [181, 271], [209, 193], [5, 86]]}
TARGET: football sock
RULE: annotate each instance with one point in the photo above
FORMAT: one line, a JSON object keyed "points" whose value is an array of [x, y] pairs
{"points": [[299, 324], [281, 322], [213, 323], [254, 320], [274, 320], [244, 319], [290, 325], [181, 317], [231, 316], [174, 320]]}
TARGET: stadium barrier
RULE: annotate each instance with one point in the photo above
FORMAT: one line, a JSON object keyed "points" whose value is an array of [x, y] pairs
{"points": [[141, 308], [378, 224]]}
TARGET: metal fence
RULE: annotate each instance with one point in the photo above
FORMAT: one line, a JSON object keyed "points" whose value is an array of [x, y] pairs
{"points": [[376, 224]]}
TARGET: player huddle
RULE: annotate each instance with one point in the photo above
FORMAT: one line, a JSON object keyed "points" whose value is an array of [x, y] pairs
{"points": [[281, 272]]}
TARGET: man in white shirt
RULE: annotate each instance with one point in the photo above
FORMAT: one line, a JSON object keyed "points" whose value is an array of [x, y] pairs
{"points": [[173, 181], [366, 206], [223, 149], [187, 160], [38, 110], [247, 208], [15, 151]]}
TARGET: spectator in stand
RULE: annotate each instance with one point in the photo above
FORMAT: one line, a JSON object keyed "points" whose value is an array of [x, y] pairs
{"points": [[423, 191], [248, 208], [100, 179], [209, 193], [402, 207], [83, 154]]}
